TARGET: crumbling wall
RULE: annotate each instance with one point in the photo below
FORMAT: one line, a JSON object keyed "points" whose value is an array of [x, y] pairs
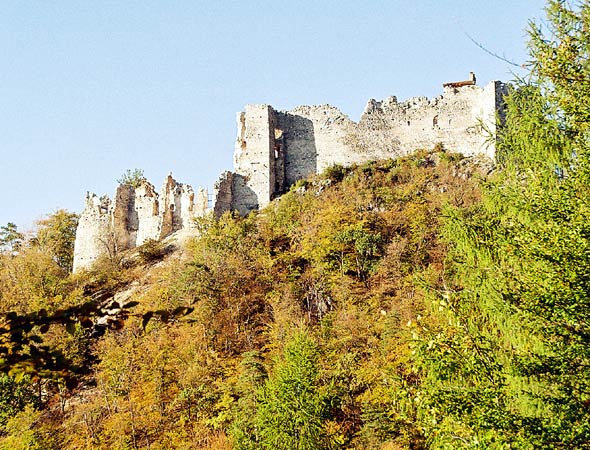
{"points": [[147, 210], [223, 194], [316, 137], [298, 136], [200, 205], [136, 215], [125, 218], [168, 208], [179, 206], [254, 158], [463, 119], [94, 232], [274, 149]]}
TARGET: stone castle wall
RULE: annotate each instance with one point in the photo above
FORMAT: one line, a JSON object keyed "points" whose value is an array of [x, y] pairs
{"points": [[274, 149], [93, 235], [135, 215], [458, 119]]}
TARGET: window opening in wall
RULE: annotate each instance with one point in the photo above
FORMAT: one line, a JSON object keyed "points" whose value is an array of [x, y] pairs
{"points": [[408, 123], [435, 121]]}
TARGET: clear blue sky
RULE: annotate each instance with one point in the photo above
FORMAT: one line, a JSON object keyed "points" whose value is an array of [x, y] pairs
{"points": [[89, 89]]}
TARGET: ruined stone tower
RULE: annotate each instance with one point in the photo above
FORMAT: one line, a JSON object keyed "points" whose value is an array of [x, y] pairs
{"points": [[274, 149], [135, 215]]}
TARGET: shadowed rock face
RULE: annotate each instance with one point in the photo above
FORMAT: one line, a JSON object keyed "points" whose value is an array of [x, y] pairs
{"points": [[275, 149], [136, 215]]}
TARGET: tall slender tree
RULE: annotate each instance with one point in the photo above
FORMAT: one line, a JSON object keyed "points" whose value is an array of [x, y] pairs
{"points": [[506, 359], [291, 408], [10, 238], [56, 235]]}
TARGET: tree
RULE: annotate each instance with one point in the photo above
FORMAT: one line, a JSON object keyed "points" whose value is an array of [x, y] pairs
{"points": [[291, 408], [56, 235], [363, 245], [21, 433], [252, 376], [505, 362], [132, 178], [15, 396], [10, 238]]}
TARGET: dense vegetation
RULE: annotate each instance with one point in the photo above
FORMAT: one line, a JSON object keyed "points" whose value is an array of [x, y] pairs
{"points": [[298, 337], [415, 303]]}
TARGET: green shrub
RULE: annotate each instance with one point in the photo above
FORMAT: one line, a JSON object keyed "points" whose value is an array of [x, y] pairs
{"points": [[335, 173], [151, 250]]}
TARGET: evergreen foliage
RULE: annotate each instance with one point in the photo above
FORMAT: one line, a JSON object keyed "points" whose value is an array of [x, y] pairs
{"points": [[132, 177], [291, 407], [335, 258], [505, 361], [15, 396], [10, 238]]}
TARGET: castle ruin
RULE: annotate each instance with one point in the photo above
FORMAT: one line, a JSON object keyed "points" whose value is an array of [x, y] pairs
{"points": [[274, 149], [135, 215]]}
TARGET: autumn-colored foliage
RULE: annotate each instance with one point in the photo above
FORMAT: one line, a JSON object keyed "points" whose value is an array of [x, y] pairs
{"points": [[432, 301], [324, 278]]}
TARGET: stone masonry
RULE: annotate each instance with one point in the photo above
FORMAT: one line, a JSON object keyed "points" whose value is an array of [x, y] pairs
{"points": [[274, 149], [135, 215]]}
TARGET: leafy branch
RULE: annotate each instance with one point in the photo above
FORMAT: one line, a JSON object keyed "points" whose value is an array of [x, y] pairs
{"points": [[23, 350]]}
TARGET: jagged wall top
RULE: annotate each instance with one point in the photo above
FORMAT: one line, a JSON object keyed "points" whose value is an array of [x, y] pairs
{"points": [[274, 148], [135, 215]]}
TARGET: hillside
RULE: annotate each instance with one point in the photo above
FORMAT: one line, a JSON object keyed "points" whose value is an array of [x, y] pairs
{"points": [[317, 290]]}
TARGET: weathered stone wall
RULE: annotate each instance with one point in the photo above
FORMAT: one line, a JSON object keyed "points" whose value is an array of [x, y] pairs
{"points": [[147, 211], [316, 137], [223, 194], [200, 206], [93, 235], [254, 158], [135, 215], [274, 149], [125, 219], [457, 119]]}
